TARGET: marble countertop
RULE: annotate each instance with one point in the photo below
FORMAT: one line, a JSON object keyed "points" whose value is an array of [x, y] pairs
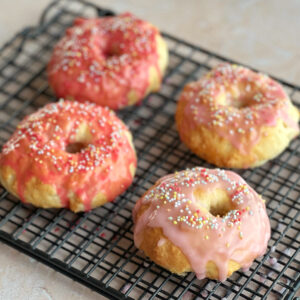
{"points": [[260, 33]]}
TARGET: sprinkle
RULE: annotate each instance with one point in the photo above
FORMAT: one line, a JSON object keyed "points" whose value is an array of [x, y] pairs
{"points": [[287, 251], [126, 287], [32, 260], [204, 293], [280, 227], [240, 130], [272, 261]]}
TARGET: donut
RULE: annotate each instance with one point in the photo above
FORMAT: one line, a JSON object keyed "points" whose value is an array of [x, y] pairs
{"points": [[68, 154], [209, 221], [236, 118], [112, 61]]}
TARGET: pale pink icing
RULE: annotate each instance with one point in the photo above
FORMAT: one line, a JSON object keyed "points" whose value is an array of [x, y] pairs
{"points": [[241, 235], [266, 104]]}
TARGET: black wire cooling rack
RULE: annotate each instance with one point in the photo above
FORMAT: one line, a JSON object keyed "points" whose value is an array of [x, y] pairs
{"points": [[96, 248]]}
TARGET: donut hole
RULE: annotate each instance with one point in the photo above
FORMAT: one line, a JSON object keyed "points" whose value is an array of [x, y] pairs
{"points": [[75, 147], [241, 102], [220, 207], [216, 202], [82, 139], [234, 99], [111, 52]]}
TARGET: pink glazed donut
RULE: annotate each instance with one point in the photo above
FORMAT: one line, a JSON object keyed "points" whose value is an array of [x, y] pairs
{"points": [[209, 221], [236, 118], [113, 61], [69, 154]]}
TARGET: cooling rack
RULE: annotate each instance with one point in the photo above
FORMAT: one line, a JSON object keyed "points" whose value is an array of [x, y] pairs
{"points": [[96, 248]]}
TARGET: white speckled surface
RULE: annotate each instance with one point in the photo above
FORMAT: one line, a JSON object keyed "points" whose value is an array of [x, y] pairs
{"points": [[22, 277], [261, 33]]}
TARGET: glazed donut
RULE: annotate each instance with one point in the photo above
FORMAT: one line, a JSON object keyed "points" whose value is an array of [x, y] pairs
{"points": [[112, 61], [236, 118], [204, 220], [68, 154]]}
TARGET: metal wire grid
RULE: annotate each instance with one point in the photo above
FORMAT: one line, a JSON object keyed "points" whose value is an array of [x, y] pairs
{"points": [[96, 248]]}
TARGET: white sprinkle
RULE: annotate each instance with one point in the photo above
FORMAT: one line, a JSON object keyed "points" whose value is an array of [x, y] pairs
{"points": [[287, 251], [126, 288], [272, 261], [280, 227], [161, 242], [204, 293]]}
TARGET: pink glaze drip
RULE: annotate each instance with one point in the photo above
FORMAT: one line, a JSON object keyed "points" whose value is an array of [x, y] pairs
{"points": [[266, 104], [38, 149], [241, 235]]}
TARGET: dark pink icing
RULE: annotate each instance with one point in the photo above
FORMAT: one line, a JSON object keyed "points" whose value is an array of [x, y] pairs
{"points": [[102, 60]]}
